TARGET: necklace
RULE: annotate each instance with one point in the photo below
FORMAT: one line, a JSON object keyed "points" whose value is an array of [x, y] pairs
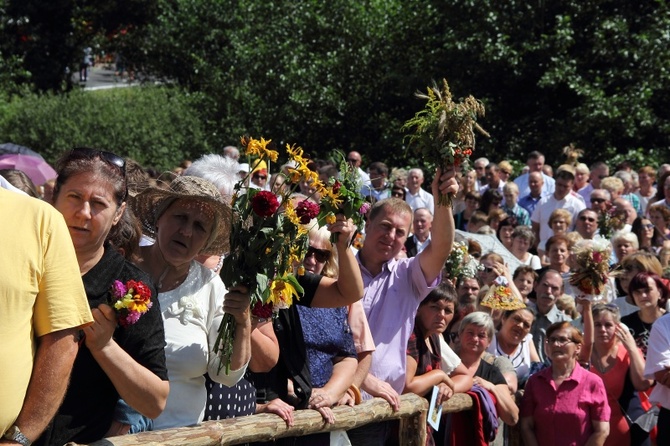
{"points": [[597, 361], [219, 264]]}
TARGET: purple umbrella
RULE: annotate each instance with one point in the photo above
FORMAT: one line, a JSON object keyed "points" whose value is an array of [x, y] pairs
{"points": [[37, 169]]}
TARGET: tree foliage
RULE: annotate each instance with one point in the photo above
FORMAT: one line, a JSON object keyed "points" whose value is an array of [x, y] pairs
{"points": [[342, 74]]}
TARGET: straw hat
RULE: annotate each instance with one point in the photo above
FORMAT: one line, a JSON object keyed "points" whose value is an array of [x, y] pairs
{"points": [[150, 204]]}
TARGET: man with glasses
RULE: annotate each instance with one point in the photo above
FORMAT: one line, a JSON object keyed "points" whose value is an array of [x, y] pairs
{"points": [[600, 200], [548, 288], [480, 169], [586, 224]]}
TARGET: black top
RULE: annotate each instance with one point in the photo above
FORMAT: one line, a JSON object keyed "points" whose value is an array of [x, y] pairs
{"points": [[292, 362], [490, 373], [410, 246], [639, 329], [88, 408]]}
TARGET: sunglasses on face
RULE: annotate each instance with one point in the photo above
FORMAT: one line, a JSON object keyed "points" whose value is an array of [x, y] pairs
{"points": [[597, 200], [260, 177], [648, 226], [397, 194], [352, 160], [589, 219], [320, 255]]}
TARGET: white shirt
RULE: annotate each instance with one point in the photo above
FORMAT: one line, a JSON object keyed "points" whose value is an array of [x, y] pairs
{"points": [[658, 358], [422, 199], [547, 188], [191, 314], [547, 205]]}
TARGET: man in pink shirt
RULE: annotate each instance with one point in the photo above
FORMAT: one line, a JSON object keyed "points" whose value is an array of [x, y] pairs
{"points": [[394, 289]]}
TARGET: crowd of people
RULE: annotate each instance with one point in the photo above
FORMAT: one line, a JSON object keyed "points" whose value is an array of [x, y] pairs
{"points": [[379, 316]]}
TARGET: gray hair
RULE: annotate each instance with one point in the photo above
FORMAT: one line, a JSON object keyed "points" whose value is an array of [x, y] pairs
{"points": [[218, 170], [478, 319]]}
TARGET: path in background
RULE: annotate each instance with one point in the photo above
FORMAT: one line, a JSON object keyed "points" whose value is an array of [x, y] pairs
{"points": [[101, 77]]}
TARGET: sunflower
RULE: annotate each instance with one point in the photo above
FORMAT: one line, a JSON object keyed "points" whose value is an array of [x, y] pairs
{"points": [[282, 292]]}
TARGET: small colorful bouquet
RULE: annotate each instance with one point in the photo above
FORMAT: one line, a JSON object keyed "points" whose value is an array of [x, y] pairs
{"points": [[343, 195], [443, 132], [460, 263], [592, 267], [130, 300], [268, 237], [610, 221], [501, 297]]}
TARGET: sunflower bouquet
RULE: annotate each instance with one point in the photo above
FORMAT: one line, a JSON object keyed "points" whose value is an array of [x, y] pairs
{"points": [[591, 271], [443, 132], [268, 237]]}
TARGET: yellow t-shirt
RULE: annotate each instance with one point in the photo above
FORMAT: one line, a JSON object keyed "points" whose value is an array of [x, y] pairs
{"points": [[41, 291]]}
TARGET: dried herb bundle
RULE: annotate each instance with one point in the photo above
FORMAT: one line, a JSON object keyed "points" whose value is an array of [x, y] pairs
{"points": [[444, 131]]}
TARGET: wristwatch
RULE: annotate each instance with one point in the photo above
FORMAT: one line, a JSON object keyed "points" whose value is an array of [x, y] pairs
{"points": [[15, 434]]}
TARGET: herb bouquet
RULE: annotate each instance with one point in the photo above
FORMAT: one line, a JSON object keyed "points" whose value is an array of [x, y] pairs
{"points": [[610, 221], [461, 264], [443, 132], [342, 196], [590, 274], [268, 237]]}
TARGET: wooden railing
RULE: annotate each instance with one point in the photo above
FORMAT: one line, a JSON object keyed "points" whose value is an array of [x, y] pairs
{"points": [[268, 427]]}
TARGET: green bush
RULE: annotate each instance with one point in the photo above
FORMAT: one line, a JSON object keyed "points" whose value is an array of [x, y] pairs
{"points": [[157, 126]]}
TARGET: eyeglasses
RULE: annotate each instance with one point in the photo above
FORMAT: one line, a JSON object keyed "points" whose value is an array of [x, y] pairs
{"points": [[321, 255], [589, 219], [597, 200], [558, 342]]}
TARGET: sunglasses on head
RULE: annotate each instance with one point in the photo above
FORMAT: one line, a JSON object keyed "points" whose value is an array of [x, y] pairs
{"points": [[109, 157], [112, 159], [321, 255]]}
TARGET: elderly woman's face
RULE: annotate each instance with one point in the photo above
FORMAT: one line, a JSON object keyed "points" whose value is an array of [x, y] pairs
{"points": [[184, 230], [474, 339], [89, 207], [516, 327], [561, 347]]}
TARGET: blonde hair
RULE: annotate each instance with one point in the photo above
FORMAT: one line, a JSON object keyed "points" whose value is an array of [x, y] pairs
{"points": [[566, 304], [612, 184], [322, 234]]}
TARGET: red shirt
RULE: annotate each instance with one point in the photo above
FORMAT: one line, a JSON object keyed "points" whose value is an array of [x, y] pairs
{"points": [[563, 416]]}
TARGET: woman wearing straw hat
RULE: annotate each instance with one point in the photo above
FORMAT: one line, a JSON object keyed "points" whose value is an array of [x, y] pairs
{"points": [[187, 219]]}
